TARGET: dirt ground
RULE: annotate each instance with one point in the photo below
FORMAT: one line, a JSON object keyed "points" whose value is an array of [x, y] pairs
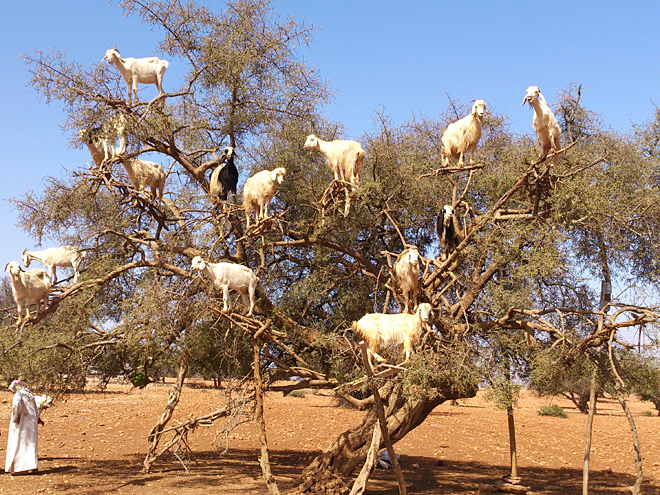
{"points": [[94, 443]]}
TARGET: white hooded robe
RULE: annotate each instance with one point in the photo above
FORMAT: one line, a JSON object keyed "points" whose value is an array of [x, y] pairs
{"points": [[22, 434]]}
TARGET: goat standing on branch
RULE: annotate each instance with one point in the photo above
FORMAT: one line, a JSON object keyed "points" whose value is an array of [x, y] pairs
{"points": [[546, 127], [225, 177], [406, 271], [101, 140], [259, 190], [446, 228], [227, 276], [66, 256], [463, 135], [148, 70], [380, 330], [345, 158], [144, 174], [28, 287]]}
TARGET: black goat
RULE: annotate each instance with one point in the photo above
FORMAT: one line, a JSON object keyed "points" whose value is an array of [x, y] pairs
{"points": [[225, 177], [445, 227]]}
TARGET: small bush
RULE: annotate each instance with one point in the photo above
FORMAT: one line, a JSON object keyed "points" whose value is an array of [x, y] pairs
{"points": [[297, 393], [553, 410], [648, 413]]}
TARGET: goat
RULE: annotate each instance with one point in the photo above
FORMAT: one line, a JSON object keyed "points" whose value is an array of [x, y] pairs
{"points": [[224, 178], [545, 124], [101, 140], [148, 70], [345, 158], [382, 330], [143, 173], [66, 256], [446, 228], [227, 276], [259, 190], [406, 271], [463, 135], [28, 287]]}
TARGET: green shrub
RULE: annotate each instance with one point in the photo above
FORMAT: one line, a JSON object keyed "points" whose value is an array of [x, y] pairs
{"points": [[648, 413], [553, 410], [297, 393]]}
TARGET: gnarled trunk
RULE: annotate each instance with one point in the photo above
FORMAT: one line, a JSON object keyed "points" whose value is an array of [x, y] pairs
{"points": [[325, 474]]}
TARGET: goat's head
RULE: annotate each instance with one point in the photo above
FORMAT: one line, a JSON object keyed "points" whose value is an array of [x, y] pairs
{"points": [[531, 95], [13, 268], [91, 135], [447, 214], [479, 108], [111, 55], [412, 256], [198, 263], [311, 142], [229, 152], [26, 258], [277, 175], [425, 312]]}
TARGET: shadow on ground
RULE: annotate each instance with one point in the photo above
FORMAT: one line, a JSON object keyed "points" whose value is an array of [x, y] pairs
{"points": [[238, 472]]}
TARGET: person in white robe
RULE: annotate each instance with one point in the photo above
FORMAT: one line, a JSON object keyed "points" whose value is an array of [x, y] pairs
{"points": [[22, 434]]}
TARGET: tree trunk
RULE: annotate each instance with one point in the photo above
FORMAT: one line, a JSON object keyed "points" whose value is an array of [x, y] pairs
{"points": [[156, 431], [512, 442], [325, 473], [382, 422], [590, 423], [361, 481], [635, 489], [264, 460]]}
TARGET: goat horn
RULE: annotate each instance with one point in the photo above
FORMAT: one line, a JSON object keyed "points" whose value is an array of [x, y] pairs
{"points": [[25, 250]]}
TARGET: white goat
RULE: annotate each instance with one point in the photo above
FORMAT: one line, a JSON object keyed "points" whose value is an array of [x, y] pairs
{"points": [[259, 190], [148, 70], [146, 174], [406, 271], [545, 124], [66, 256], [463, 135], [101, 140], [28, 288], [227, 276], [345, 158], [380, 330]]}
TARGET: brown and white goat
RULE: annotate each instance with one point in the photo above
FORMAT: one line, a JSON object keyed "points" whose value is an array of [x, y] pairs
{"points": [[406, 271], [380, 331], [28, 287]]}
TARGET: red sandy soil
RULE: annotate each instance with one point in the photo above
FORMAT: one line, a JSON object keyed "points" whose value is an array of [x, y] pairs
{"points": [[94, 443]]}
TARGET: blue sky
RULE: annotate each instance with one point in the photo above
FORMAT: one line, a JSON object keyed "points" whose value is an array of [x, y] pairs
{"points": [[400, 57]]}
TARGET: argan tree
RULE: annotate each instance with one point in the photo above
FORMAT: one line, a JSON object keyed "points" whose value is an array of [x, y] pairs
{"points": [[528, 235]]}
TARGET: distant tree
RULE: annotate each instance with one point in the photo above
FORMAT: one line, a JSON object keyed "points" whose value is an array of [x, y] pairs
{"points": [[555, 375], [643, 377]]}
